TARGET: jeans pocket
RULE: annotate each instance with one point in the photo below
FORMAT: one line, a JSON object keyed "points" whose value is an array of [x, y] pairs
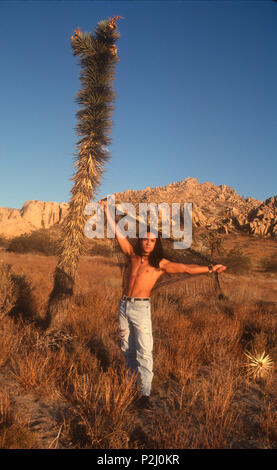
{"points": [[146, 313], [142, 307]]}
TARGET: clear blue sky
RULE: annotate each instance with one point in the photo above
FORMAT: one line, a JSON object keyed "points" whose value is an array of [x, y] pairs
{"points": [[196, 96]]}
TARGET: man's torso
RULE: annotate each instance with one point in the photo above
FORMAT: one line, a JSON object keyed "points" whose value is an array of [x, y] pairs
{"points": [[141, 277]]}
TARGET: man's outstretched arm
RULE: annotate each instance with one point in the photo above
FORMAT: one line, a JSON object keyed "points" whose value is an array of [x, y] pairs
{"points": [[123, 242], [171, 267]]}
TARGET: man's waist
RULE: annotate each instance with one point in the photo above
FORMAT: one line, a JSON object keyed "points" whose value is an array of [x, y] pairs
{"points": [[134, 299]]}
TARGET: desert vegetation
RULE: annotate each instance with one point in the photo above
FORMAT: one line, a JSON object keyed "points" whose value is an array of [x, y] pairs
{"points": [[69, 388], [270, 264], [39, 241]]}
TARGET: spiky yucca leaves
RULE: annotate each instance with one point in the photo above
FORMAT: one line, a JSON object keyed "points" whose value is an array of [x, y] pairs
{"points": [[97, 56], [259, 365]]}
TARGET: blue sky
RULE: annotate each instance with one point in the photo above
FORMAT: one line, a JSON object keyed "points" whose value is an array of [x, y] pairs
{"points": [[196, 96]]}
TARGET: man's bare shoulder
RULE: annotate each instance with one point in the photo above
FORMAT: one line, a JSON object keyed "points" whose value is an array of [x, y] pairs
{"points": [[132, 254], [163, 262], [132, 257]]}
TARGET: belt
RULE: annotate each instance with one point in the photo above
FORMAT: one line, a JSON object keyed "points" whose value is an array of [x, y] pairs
{"points": [[125, 297]]}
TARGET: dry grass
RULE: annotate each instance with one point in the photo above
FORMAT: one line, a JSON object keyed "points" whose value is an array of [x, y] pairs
{"points": [[203, 397], [14, 434]]}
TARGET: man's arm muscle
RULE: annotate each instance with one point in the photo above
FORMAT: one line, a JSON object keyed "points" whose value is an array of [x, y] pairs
{"points": [[123, 242], [171, 267]]}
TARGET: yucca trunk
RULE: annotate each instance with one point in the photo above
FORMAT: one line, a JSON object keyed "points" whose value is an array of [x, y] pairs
{"points": [[97, 57]]}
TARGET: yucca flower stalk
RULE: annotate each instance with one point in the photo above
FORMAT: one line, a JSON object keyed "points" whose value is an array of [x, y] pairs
{"points": [[97, 56], [259, 365]]}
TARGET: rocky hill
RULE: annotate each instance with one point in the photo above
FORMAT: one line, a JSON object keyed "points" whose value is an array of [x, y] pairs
{"points": [[32, 216], [218, 208]]}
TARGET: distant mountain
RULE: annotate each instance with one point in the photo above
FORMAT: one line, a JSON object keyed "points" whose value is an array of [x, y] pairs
{"points": [[32, 216], [218, 208]]}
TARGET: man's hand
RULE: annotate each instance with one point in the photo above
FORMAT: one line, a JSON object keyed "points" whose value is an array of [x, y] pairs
{"points": [[219, 268], [103, 203]]}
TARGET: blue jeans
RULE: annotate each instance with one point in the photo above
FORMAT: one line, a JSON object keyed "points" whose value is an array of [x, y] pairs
{"points": [[135, 329]]}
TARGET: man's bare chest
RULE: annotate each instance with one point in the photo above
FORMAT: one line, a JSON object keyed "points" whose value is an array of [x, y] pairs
{"points": [[143, 270]]}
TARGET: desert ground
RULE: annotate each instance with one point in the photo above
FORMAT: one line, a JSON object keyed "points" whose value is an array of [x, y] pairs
{"points": [[69, 389]]}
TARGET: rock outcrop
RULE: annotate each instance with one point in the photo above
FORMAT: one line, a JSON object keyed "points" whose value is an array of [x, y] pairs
{"points": [[263, 219], [32, 216], [218, 208]]}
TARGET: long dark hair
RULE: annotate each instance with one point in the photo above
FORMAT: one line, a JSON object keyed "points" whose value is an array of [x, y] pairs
{"points": [[156, 255]]}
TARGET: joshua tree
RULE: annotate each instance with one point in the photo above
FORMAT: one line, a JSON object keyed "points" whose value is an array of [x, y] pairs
{"points": [[97, 57]]}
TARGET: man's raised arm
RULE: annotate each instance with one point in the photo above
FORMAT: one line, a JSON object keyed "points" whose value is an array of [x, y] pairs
{"points": [[124, 244]]}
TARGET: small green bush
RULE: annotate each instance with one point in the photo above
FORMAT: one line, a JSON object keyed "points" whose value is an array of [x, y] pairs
{"points": [[38, 241]]}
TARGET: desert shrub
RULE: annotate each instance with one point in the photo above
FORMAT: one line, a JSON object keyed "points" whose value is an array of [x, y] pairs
{"points": [[25, 303], [269, 264], [236, 261], [16, 294], [38, 241], [99, 249], [213, 242], [3, 241], [7, 289], [13, 434]]}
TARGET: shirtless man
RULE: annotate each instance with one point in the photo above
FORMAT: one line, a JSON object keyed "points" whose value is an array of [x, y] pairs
{"points": [[147, 264]]}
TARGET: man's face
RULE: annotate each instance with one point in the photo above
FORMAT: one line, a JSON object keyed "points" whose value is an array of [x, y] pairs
{"points": [[148, 243]]}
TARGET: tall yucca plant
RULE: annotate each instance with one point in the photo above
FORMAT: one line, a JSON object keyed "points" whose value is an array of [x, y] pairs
{"points": [[97, 57]]}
